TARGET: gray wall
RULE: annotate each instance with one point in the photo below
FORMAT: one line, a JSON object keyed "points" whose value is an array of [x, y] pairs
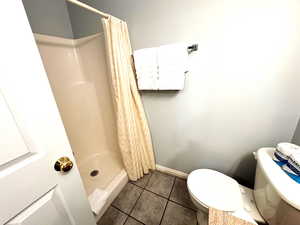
{"points": [[49, 17], [296, 137], [83, 22], [241, 93], [242, 89]]}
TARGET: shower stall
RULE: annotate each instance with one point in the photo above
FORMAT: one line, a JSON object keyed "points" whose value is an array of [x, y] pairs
{"points": [[77, 72]]}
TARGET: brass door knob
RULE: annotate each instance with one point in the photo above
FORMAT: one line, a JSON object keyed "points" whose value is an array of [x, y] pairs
{"points": [[63, 164]]}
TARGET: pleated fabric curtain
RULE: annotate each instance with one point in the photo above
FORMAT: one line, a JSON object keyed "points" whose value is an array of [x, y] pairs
{"points": [[132, 127]]}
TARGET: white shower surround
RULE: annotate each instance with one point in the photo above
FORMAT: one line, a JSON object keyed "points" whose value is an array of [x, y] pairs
{"points": [[76, 70]]}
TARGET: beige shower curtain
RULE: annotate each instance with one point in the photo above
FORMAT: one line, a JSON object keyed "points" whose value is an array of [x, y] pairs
{"points": [[133, 132]]}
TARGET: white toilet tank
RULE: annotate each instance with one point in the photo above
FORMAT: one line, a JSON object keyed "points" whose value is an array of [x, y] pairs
{"points": [[277, 196]]}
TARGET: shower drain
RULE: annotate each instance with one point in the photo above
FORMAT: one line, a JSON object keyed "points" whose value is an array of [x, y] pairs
{"points": [[94, 173]]}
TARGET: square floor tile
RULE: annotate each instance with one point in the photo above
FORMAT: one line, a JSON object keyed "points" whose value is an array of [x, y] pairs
{"points": [[178, 215], [127, 198], [181, 195], [131, 221], [149, 208], [160, 184], [112, 216], [142, 182]]}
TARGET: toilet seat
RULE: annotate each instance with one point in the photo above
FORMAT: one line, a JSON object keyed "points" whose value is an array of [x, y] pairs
{"points": [[215, 190], [212, 189]]}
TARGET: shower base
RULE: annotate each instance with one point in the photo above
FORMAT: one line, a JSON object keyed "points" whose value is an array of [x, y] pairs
{"points": [[103, 171]]}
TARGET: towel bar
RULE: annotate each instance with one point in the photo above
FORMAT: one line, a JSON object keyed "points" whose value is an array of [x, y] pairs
{"points": [[192, 48]]}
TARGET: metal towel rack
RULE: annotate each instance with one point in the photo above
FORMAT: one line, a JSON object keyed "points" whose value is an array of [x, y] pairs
{"points": [[192, 48]]}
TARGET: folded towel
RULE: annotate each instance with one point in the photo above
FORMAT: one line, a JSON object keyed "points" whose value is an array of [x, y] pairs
{"points": [[173, 56], [161, 68], [278, 156], [146, 66], [147, 83], [146, 63], [172, 63], [288, 171], [172, 80], [294, 163], [280, 163], [284, 150]]}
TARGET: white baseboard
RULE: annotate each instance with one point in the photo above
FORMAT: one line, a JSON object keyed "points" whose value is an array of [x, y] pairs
{"points": [[172, 172]]}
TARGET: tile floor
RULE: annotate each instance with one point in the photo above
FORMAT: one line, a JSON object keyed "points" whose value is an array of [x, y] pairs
{"points": [[156, 199]]}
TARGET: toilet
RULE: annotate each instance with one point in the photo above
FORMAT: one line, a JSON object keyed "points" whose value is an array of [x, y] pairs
{"points": [[212, 189], [274, 193]]}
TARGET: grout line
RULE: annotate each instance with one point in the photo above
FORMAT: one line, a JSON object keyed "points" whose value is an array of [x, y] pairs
{"points": [[136, 201], [136, 220], [144, 188], [127, 219], [172, 188], [119, 210], [127, 215], [178, 203], [183, 205], [136, 185], [166, 198], [157, 194], [163, 215], [150, 173], [169, 197]]}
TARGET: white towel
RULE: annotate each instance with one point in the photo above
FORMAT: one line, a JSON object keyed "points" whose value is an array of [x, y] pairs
{"points": [[97, 200], [284, 150], [146, 63], [161, 68], [294, 163], [287, 148], [173, 56], [147, 83], [172, 64], [288, 170], [146, 66], [172, 81]]}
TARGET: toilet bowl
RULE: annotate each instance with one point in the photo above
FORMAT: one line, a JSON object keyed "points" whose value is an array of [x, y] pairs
{"points": [[212, 189], [274, 200]]}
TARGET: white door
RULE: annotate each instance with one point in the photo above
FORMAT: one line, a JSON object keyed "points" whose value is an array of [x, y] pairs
{"points": [[32, 136]]}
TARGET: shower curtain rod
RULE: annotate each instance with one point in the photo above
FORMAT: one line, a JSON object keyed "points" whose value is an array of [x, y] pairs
{"points": [[86, 6]]}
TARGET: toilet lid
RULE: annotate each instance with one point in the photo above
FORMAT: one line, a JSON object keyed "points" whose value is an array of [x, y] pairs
{"points": [[215, 190]]}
